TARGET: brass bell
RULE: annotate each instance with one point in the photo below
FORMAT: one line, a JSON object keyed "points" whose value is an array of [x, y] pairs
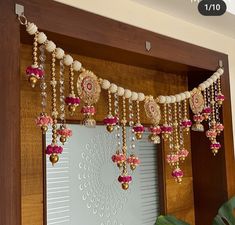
{"points": [[44, 128], [33, 80], [72, 109], [125, 186], [133, 167], [215, 151], [138, 135], [110, 128], [54, 158], [120, 164], [63, 139]]}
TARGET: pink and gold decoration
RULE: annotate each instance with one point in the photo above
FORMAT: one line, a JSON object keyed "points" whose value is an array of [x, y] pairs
{"points": [[197, 104], [89, 91]]}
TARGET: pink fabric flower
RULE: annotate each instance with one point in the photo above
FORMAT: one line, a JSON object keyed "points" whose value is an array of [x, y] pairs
{"points": [[215, 146], [118, 158], [186, 123], [134, 160], [125, 179], [211, 134], [88, 110], [54, 149], [43, 120], [72, 100], [172, 158], [64, 132], [110, 120], [177, 173], [219, 127], [166, 129], [138, 128], [35, 71], [220, 97], [155, 129], [198, 118], [183, 153]]}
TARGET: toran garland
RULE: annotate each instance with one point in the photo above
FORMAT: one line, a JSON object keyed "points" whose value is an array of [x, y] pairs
{"points": [[175, 125]]}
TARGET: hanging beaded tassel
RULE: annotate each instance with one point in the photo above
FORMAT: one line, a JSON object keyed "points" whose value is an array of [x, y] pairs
{"points": [[183, 152], [119, 158], [110, 121], [215, 146], [177, 173], [185, 123], [138, 127], [53, 149], [43, 120], [219, 97], [72, 101], [132, 160], [34, 72], [124, 178], [207, 109], [219, 127], [166, 128], [197, 104], [63, 131]]}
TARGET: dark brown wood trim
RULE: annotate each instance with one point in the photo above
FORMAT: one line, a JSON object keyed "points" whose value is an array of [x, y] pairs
{"points": [[10, 178]]}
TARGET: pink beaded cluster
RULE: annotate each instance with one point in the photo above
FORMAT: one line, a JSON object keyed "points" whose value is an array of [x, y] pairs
{"points": [[110, 121], [125, 180], [44, 121], [166, 130], [54, 149], [154, 134], [139, 130], [177, 173], [133, 161], [186, 124], [64, 133], [220, 98], [119, 159], [206, 113]]}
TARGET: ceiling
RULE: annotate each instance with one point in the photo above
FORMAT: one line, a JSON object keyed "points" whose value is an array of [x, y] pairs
{"points": [[187, 10]]}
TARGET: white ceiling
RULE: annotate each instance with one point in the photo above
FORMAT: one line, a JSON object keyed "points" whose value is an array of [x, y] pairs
{"points": [[187, 10]]}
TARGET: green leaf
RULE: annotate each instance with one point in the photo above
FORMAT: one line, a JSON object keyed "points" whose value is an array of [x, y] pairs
{"points": [[225, 213], [169, 220]]}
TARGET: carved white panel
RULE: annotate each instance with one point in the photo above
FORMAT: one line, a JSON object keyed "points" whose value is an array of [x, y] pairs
{"points": [[82, 188]]}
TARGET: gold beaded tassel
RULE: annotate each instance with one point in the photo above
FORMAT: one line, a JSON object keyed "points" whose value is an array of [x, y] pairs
{"points": [[219, 97], [125, 185], [177, 173], [34, 72], [110, 121], [138, 127], [165, 134], [185, 123], [53, 150]]}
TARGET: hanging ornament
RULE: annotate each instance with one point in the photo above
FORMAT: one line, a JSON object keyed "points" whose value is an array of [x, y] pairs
{"points": [[63, 131], [119, 158], [132, 160], [110, 121], [177, 173], [197, 104], [43, 120], [72, 100], [153, 112], [34, 72], [138, 127], [219, 97], [89, 91], [186, 123], [124, 178], [53, 149], [166, 128], [207, 109]]}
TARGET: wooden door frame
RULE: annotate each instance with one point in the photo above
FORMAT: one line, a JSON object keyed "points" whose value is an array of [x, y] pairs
{"points": [[110, 35]]}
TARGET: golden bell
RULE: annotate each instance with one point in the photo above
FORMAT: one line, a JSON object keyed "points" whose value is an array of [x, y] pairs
{"points": [[138, 136], [120, 164], [72, 109], [63, 139], [125, 186], [133, 167], [215, 151], [44, 128], [110, 128], [54, 158], [33, 80]]}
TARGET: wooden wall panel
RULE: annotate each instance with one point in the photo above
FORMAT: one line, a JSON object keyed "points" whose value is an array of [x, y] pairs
{"points": [[136, 78]]}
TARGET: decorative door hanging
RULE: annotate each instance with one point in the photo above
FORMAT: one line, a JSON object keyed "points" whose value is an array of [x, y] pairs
{"points": [[123, 109]]}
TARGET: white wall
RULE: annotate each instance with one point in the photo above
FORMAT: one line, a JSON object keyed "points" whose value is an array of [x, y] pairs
{"points": [[130, 12]]}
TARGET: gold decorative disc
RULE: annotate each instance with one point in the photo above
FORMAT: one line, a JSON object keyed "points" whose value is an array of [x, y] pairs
{"points": [[152, 110], [196, 101], [88, 87]]}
